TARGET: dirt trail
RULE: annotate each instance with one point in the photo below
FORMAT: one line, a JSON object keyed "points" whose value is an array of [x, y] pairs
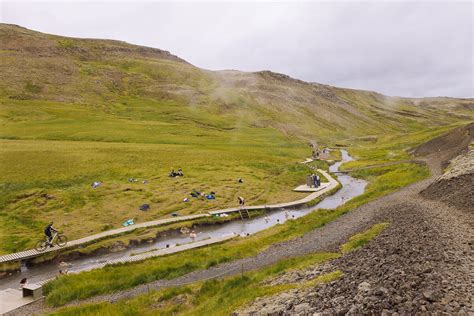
{"points": [[422, 231]]}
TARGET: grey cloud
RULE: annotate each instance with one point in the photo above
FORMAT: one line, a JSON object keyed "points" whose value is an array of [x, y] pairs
{"points": [[397, 48]]}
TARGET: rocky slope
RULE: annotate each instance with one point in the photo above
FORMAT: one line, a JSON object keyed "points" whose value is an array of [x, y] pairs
{"points": [[419, 264], [422, 263], [455, 187]]}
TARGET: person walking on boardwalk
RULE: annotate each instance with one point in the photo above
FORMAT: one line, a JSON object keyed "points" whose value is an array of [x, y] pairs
{"points": [[241, 201]]}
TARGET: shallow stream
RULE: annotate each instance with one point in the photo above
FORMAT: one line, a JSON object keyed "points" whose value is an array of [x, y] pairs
{"points": [[351, 188]]}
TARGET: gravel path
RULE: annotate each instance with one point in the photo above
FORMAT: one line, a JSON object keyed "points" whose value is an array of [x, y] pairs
{"points": [[423, 263]]}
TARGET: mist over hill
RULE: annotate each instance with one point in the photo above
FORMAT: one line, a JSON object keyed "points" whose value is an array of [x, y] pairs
{"points": [[120, 80]]}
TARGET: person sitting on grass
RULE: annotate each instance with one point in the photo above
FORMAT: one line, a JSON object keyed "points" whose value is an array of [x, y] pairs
{"points": [[48, 231], [241, 201]]}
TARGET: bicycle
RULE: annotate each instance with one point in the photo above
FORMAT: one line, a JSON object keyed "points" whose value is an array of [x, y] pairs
{"points": [[57, 238]]}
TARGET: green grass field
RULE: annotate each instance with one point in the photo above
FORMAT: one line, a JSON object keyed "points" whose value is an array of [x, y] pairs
{"points": [[382, 181], [48, 172]]}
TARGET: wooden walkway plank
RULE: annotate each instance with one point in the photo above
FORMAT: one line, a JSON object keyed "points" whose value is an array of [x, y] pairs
{"points": [[22, 255]]}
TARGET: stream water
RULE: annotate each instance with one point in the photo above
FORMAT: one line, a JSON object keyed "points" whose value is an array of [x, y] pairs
{"points": [[351, 188]]}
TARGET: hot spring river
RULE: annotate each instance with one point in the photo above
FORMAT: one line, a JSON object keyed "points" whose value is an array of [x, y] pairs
{"points": [[351, 188]]}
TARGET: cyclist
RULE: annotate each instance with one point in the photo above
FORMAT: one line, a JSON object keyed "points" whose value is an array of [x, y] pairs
{"points": [[48, 231]]}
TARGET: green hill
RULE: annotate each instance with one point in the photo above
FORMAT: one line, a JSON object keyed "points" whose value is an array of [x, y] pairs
{"points": [[74, 111]]}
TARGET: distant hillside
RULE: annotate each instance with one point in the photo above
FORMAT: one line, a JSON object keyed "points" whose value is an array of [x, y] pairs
{"points": [[77, 111], [142, 83]]}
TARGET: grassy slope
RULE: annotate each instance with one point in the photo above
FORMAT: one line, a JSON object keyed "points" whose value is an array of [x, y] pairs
{"points": [[74, 111]]}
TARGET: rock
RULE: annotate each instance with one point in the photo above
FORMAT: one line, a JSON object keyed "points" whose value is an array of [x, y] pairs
{"points": [[364, 287], [342, 311], [385, 312], [381, 291], [429, 295], [302, 308]]}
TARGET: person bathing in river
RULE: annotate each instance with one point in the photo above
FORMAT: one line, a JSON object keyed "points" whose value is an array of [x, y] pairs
{"points": [[193, 235], [23, 283]]}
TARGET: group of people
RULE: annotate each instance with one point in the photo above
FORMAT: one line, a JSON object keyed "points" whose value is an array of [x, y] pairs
{"points": [[178, 173], [192, 233], [315, 180]]}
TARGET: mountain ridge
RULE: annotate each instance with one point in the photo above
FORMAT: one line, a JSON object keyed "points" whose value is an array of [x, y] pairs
{"points": [[116, 77]]}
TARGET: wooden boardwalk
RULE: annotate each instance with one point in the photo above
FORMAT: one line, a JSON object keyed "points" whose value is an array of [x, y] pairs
{"points": [[109, 233], [11, 299], [161, 252], [23, 255], [306, 188], [327, 187]]}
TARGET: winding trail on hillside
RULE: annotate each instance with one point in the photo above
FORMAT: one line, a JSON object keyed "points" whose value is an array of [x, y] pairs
{"points": [[418, 222]]}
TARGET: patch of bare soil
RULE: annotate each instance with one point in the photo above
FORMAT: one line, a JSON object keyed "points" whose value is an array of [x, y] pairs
{"points": [[447, 146]]}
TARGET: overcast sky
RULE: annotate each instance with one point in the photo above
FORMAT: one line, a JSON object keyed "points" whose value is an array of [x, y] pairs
{"points": [[403, 48]]}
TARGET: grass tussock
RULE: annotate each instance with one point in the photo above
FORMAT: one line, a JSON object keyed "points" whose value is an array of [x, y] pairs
{"points": [[363, 238]]}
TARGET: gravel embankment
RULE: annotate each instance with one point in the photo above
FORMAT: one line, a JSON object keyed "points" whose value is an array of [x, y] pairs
{"points": [[422, 263], [455, 187]]}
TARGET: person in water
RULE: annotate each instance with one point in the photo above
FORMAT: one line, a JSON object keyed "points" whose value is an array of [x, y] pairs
{"points": [[23, 283], [48, 231]]}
